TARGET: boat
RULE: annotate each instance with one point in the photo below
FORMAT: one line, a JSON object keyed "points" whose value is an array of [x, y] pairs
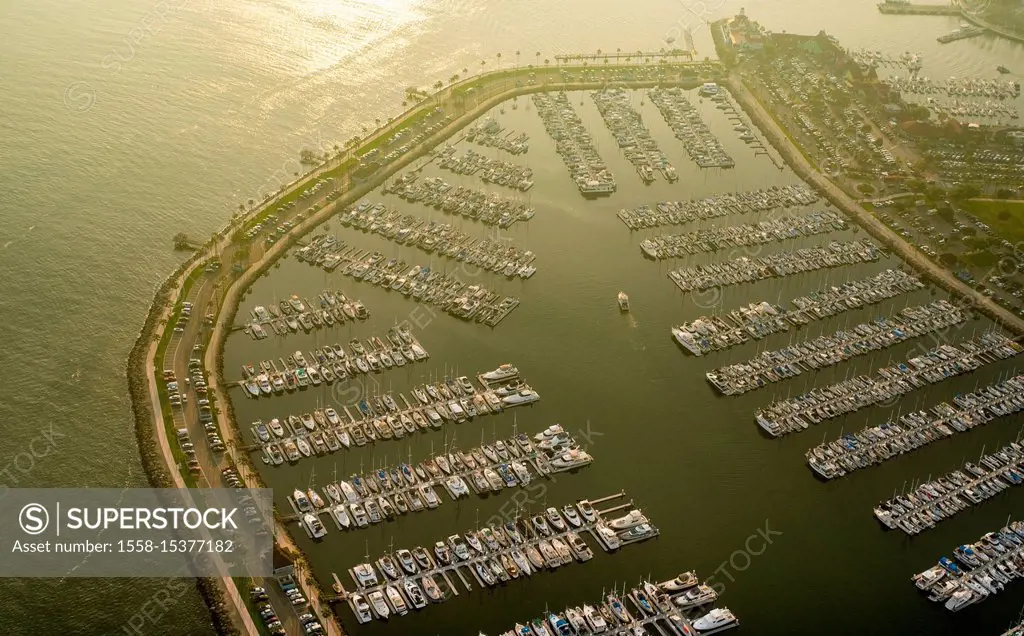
{"points": [[379, 605], [302, 501], [560, 625], [579, 547], [341, 516], [363, 613], [387, 565], [503, 372], [396, 600], [316, 499], [618, 609], [276, 428], [414, 593], [541, 525], [586, 510], [431, 589], [681, 583], [314, 525], [636, 533], [359, 515], [695, 596], [555, 519], [571, 515], [274, 453], [623, 300], [524, 396], [365, 575], [718, 618], [633, 518], [291, 450], [521, 561], [608, 536], [594, 619], [1002, 69]]}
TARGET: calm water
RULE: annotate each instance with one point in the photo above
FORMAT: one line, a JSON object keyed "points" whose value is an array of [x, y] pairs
{"points": [[124, 123]]}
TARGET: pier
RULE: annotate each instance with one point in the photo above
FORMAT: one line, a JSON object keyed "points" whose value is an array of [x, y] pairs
{"points": [[490, 208], [295, 314], [824, 351], [961, 34], [902, 7], [719, 238], [632, 136], [874, 445], [942, 498], [515, 462], [574, 145], [746, 270], [686, 123], [493, 555], [945, 361], [494, 171], [986, 567], [758, 320], [717, 206]]}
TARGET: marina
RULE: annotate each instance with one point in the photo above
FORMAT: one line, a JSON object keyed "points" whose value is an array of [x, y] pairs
{"points": [[745, 269], [887, 383], [698, 141], [714, 239], [294, 314], [977, 571], [444, 290], [384, 493], [443, 238], [488, 133], [757, 320], [330, 363], [717, 206], [490, 208], [826, 350], [383, 417], [632, 137], [574, 144], [664, 607], [493, 555], [935, 500], [874, 445], [496, 171]]}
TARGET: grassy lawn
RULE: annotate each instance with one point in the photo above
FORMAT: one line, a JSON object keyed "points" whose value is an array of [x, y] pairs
{"points": [[1011, 228]]}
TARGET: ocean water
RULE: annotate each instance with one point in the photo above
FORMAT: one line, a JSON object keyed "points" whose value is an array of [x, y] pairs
{"points": [[123, 123]]}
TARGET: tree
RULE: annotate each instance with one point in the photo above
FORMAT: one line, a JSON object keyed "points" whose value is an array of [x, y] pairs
{"points": [[181, 241], [948, 259], [965, 191], [1004, 193]]}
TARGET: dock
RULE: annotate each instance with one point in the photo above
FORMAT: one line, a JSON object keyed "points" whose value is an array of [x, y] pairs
{"points": [[702, 146], [382, 417], [980, 569], [296, 314], [901, 7], [490, 208], [491, 468], [758, 320], [496, 555], [824, 351], [945, 361], [778, 265], [574, 145], [962, 34], [940, 499], [874, 445], [632, 136], [717, 206]]}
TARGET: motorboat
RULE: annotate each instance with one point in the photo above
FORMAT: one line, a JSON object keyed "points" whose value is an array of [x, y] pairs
{"points": [[314, 525], [524, 396], [535, 557], [388, 566], [555, 519], [414, 593], [359, 515], [473, 539], [521, 561], [363, 612], [422, 557], [396, 600], [275, 427], [579, 547], [379, 604], [341, 516], [431, 589], [695, 596], [333, 493], [608, 536], [717, 618], [618, 609], [302, 501], [541, 525], [633, 518], [636, 533], [623, 301], [459, 547], [407, 561], [594, 619], [681, 583], [503, 372], [316, 499], [365, 575], [560, 625], [443, 554]]}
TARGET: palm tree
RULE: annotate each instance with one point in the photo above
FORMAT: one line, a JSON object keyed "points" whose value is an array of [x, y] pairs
{"points": [[465, 70], [250, 203], [517, 58], [546, 61]]}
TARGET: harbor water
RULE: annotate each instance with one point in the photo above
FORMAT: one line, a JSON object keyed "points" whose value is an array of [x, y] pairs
{"points": [[114, 141]]}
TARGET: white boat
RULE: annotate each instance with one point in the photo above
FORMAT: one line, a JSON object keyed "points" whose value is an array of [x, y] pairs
{"points": [[341, 517], [634, 518], [681, 583], [525, 396], [503, 372], [571, 459], [960, 599], [549, 432], [363, 612], [929, 577], [700, 595], [594, 619], [396, 600], [315, 497], [623, 301], [365, 575], [415, 594], [718, 618], [314, 525], [379, 605], [302, 501], [608, 536]]}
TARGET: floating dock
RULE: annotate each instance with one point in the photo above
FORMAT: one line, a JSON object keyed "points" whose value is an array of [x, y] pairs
{"points": [[717, 206], [494, 555], [945, 361], [875, 445], [956, 491]]}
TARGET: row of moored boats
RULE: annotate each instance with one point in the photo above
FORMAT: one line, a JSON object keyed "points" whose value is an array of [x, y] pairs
{"points": [[295, 313], [489, 170], [490, 208], [717, 206], [688, 126], [574, 144], [632, 136]]}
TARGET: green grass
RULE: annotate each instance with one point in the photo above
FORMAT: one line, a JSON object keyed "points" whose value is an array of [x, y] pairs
{"points": [[1011, 229]]}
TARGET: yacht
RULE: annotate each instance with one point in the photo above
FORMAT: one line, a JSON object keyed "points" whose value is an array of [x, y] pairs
{"points": [[396, 600], [432, 590], [929, 577], [314, 526], [717, 618], [379, 605], [275, 427], [359, 515], [699, 595], [415, 594], [302, 501], [636, 533], [316, 499], [443, 554], [608, 536], [503, 372], [570, 459], [594, 619], [365, 575], [576, 619], [560, 625], [634, 518], [362, 608], [521, 561], [340, 514], [303, 446], [618, 609], [524, 396], [579, 547], [623, 301], [555, 519], [681, 583]]}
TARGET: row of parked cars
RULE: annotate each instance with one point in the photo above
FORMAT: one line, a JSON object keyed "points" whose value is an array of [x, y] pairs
{"points": [[272, 621]]}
